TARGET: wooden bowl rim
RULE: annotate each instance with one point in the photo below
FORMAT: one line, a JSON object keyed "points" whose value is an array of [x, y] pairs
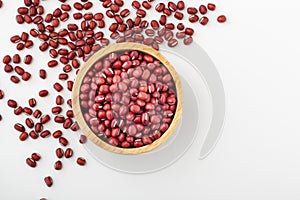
{"points": [[76, 101]]}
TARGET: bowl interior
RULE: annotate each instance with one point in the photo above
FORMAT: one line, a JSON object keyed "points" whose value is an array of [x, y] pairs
{"points": [[79, 113]]}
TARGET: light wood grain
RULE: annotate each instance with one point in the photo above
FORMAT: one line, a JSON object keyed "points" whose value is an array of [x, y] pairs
{"points": [[76, 101]]}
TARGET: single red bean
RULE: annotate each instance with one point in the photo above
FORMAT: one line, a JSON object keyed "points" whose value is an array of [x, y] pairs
{"points": [[172, 6], [45, 134], [189, 31], [203, 9], [203, 20], [59, 152], [6, 59], [68, 153], [15, 39], [20, 19], [49, 181], [192, 10], [43, 73], [98, 16], [29, 122], [58, 87], [18, 110], [19, 127], [16, 59], [32, 102], [136, 5], [58, 165], [37, 114], [163, 20], [221, 19], [178, 15], [59, 100], [27, 111], [146, 5], [12, 103], [81, 161], [35, 156], [1, 94], [26, 76], [172, 42], [88, 5], [160, 7], [8, 68], [57, 134], [44, 119], [180, 5], [19, 70], [193, 18], [211, 6], [14, 79], [52, 63], [33, 134], [63, 141], [83, 139], [28, 59], [23, 136], [31, 162], [43, 93]]}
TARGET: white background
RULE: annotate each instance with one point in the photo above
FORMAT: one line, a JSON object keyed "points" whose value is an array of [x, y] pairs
{"points": [[257, 55]]}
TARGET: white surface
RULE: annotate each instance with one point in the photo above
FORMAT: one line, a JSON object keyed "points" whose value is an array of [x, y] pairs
{"points": [[257, 157]]}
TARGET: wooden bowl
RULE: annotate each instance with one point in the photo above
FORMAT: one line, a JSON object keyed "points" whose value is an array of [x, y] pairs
{"points": [[77, 108]]}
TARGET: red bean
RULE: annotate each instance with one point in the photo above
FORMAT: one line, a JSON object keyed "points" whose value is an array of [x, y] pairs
{"points": [[43, 93], [193, 18], [211, 6], [23, 136], [1, 94], [19, 70], [136, 4], [172, 6], [63, 141], [58, 87], [146, 5], [37, 113], [83, 139], [26, 76], [29, 122], [68, 153], [192, 10], [58, 165], [30, 162], [178, 15], [43, 73], [44, 119], [15, 79], [59, 152], [35, 156], [59, 100], [33, 135], [45, 134], [81, 161], [163, 20], [16, 59], [49, 181], [18, 110], [32, 102], [180, 5], [203, 9], [189, 31], [160, 7], [203, 20], [221, 19]]}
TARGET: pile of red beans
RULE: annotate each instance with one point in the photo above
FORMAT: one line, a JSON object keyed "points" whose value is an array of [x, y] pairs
{"points": [[69, 44], [128, 99]]}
